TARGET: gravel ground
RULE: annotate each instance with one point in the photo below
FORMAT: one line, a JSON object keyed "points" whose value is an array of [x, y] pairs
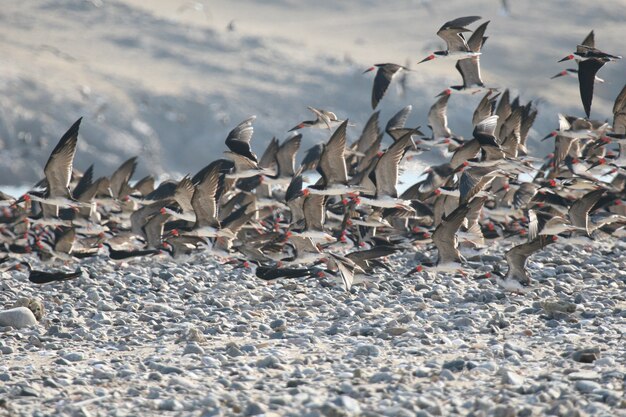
{"points": [[200, 339]]}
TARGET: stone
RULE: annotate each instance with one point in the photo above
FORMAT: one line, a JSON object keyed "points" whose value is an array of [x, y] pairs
{"points": [[18, 318], [588, 355], [170, 404], [587, 386], [367, 350], [193, 348], [511, 378]]}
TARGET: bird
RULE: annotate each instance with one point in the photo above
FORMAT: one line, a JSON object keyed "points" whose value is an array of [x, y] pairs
{"points": [[58, 172], [587, 49], [44, 277], [452, 33], [384, 75], [323, 119], [469, 68], [385, 176], [516, 279], [449, 258]]}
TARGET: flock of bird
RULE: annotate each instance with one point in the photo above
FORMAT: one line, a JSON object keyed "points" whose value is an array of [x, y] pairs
{"points": [[272, 217]]}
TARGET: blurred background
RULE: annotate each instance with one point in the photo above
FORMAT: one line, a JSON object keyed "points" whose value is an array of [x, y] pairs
{"points": [[168, 79]]}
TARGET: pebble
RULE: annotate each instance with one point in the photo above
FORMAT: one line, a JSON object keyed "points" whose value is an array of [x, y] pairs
{"points": [[193, 348], [18, 318], [511, 378], [367, 350], [170, 405], [581, 375], [190, 341], [588, 355], [268, 362], [587, 386], [74, 357]]}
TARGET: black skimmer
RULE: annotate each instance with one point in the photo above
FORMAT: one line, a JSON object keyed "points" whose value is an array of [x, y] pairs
{"points": [[587, 71], [205, 203], [383, 78], [43, 277], [332, 166], [579, 211], [270, 273], [58, 172], [449, 258], [516, 279], [122, 254], [285, 158], [452, 33], [587, 49], [314, 211], [469, 68], [324, 119], [385, 176]]}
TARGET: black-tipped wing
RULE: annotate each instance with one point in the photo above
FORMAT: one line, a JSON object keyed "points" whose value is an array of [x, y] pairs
{"points": [[587, 71], [399, 119], [286, 156], [579, 211], [84, 183], [269, 156], [58, 169], [469, 68], [314, 211], [387, 168], [294, 190], [438, 117], [184, 193], [620, 102], [485, 108], [382, 80], [204, 200], [369, 134], [517, 256], [238, 139], [332, 165], [475, 42], [589, 41], [121, 176], [312, 157]]}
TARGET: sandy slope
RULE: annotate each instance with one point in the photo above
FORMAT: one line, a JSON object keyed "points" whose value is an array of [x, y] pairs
{"points": [[165, 80]]}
